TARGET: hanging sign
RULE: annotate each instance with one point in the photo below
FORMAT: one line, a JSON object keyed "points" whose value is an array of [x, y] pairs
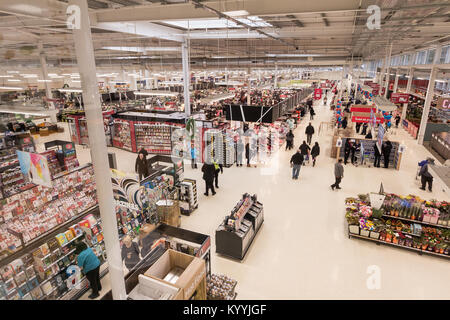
{"points": [[35, 167], [443, 103], [399, 97], [317, 94], [380, 136]]}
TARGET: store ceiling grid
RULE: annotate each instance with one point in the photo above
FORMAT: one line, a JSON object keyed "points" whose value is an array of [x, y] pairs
{"points": [[333, 31]]}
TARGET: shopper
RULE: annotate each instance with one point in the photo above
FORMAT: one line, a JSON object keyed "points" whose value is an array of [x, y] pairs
{"points": [[397, 120], [239, 152], [357, 127], [296, 163], [347, 148], [291, 123], [289, 140], [426, 176], [304, 150], [315, 152], [209, 172], [344, 123], [364, 129], [90, 265], [312, 112], [353, 151], [309, 133], [369, 135], [193, 157], [386, 149], [218, 167], [141, 166], [338, 174], [130, 252], [144, 152], [377, 156]]}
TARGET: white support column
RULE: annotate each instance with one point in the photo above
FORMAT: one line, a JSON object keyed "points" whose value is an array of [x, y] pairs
{"points": [[186, 77], [147, 80], [48, 89], [275, 84], [86, 66], [426, 106], [381, 78], [133, 81], [388, 73], [410, 80], [396, 80]]}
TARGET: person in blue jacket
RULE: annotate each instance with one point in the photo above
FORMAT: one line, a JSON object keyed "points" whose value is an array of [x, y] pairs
{"points": [[90, 265]]}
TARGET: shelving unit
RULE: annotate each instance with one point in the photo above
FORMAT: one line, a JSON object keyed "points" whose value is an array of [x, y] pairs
{"points": [[235, 235], [188, 194], [155, 138]]}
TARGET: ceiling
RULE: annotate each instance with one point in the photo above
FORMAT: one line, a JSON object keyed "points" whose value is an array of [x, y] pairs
{"points": [[269, 32]]}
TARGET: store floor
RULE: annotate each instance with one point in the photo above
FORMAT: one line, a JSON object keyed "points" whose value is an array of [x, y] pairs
{"points": [[302, 250]]}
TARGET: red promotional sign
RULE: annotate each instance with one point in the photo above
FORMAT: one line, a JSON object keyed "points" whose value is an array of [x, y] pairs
{"points": [[362, 109], [399, 97], [443, 103], [317, 94], [365, 119]]}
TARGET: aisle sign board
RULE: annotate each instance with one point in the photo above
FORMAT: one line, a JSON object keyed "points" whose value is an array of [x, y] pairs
{"points": [[317, 94], [399, 97], [443, 103], [380, 136]]}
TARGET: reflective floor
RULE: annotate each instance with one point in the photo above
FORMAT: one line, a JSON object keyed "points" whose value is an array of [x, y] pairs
{"points": [[302, 250]]}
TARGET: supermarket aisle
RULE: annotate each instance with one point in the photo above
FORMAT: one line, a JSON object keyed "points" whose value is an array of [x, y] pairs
{"points": [[302, 250]]}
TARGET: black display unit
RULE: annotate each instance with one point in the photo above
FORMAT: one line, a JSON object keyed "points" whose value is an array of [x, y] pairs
{"points": [[234, 241]]}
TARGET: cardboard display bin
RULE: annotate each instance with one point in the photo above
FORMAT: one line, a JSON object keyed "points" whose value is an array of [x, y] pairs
{"points": [[188, 273]]}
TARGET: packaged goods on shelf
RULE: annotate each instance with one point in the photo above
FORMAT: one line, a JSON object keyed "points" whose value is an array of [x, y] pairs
{"points": [[221, 287]]}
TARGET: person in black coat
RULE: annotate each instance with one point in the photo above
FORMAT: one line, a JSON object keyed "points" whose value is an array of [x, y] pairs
{"points": [[304, 149], [344, 123], [296, 162], [309, 132], [354, 149], [247, 154], [289, 140], [357, 127], [364, 129], [141, 166], [312, 112], [209, 172], [315, 151], [347, 148], [218, 167], [377, 156], [387, 147]]}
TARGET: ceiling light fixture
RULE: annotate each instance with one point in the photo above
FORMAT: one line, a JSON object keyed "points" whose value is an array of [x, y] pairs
{"points": [[11, 88], [155, 93], [70, 90]]}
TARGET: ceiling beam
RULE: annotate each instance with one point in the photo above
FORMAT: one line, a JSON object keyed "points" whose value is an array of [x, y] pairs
{"points": [[185, 11]]}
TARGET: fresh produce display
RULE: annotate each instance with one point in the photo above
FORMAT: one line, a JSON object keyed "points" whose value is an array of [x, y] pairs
{"points": [[403, 221]]}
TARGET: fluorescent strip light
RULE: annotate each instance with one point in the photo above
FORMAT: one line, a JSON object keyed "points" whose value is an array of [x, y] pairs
{"points": [[11, 88], [6, 76], [14, 80], [44, 80], [292, 55], [71, 90], [156, 93], [12, 71], [29, 75], [237, 13], [77, 81]]}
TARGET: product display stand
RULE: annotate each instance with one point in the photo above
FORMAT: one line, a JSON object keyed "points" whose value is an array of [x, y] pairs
{"points": [[236, 233], [188, 195], [403, 222]]}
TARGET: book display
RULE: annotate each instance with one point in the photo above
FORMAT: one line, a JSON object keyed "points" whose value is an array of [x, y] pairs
{"points": [[152, 131], [237, 231], [35, 211], [55, 165], [403, 222], [121, 135], [153, 137]]}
